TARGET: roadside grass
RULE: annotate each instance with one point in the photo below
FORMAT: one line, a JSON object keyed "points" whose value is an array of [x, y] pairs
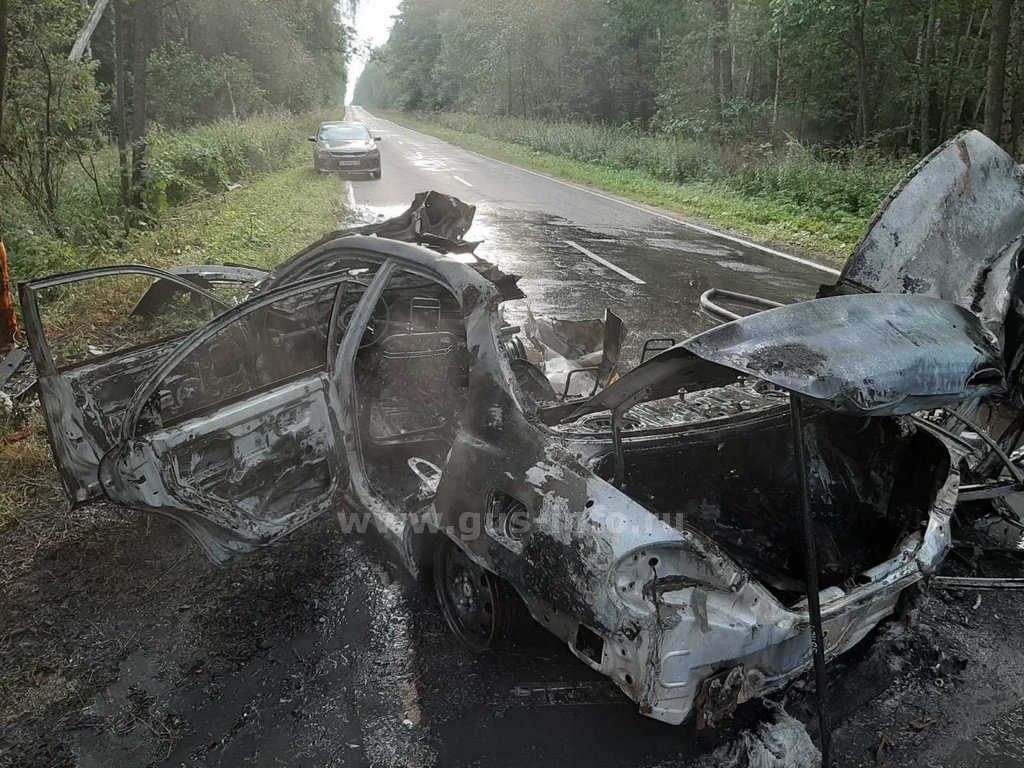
{"points": [[267, 219], [787, 197], [27, 474], [260, 224]]}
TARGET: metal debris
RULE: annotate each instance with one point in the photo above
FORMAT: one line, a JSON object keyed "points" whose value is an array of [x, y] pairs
{"points": [[11, 363]]}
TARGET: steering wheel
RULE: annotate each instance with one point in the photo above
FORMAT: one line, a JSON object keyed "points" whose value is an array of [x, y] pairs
{"points": [[348, 300]]}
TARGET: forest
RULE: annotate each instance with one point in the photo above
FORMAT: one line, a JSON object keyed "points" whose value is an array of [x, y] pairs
{"points": [[896, 75], [111, 111]]}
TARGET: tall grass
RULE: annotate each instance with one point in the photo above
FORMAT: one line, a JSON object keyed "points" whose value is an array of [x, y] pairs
{"points": [[852, 182]]}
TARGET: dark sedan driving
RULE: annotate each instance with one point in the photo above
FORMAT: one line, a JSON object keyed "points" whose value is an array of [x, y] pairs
{"points": [[347, 147]]}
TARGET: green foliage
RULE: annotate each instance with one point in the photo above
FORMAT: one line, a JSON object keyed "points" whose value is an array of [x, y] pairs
{"points": [[291, 55], [270, 218], [896, 74], [52, 111], [185, 166], [186, 88], [852, 183]]}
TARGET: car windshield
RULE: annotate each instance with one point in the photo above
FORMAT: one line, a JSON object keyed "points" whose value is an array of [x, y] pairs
{"points": [[344, 133]]}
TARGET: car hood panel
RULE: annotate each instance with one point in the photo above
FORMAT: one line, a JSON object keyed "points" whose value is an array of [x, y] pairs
{"points": [[873, 354]]}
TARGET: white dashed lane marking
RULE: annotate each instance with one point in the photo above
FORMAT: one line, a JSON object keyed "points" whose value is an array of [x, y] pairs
{"points": [[628, 275]]}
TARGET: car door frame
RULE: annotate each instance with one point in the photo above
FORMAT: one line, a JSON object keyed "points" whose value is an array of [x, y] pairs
{"points": [[336, 365], [77, 458]]}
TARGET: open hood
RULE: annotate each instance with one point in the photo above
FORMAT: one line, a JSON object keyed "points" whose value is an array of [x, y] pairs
{"points": [[871, 355], [952, 230]]}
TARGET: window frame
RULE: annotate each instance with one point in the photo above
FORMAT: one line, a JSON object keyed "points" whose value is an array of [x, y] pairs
{"points": [[197, 339]]}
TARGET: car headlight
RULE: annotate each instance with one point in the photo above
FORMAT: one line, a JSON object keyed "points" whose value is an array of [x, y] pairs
{"points": [[644, 574]]}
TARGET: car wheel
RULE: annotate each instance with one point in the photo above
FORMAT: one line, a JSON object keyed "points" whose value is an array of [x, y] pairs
{"points": [[480, 608], [375, 174]]}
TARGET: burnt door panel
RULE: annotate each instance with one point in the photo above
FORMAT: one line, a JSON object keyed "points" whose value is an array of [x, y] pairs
{"points": [[237, 435], [242, 476]]}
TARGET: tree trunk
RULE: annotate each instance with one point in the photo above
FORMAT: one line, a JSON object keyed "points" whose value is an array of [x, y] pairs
{"points": [[963, 27], [722, 51], [82, 43], [522, 85], [778, 84], [971, 61], [1012, 105], [924, 134], [4, 43], [8, 320], [140, 56], [716, 77], [119, 106], [508, 110], [861, 60], [995, 85]]}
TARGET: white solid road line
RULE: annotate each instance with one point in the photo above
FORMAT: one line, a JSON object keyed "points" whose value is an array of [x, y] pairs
{"points": [[461, 181], [635, 206], [605, 262], [350, 195]]}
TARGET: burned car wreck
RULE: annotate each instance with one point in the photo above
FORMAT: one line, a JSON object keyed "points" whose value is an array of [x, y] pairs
{"points": [[651, 519]]}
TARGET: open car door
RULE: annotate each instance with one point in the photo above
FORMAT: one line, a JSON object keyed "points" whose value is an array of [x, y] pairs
{"points": [[237, 435], [85, 384]]}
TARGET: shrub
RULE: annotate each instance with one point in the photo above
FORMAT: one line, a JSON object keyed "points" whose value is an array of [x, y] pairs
{"points": [[182, 166], [209, 158]]}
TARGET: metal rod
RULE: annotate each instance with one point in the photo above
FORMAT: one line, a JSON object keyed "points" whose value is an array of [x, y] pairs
{"points": [[811, 563], [1018, 475], [979, 582], [620, 456]]}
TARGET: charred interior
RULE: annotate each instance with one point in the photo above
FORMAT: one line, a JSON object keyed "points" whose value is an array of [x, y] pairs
{"points": [[872, 482], [412, 377]]}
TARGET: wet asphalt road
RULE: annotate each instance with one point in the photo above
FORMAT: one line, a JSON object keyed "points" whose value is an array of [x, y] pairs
{"points": [[528, 223]]}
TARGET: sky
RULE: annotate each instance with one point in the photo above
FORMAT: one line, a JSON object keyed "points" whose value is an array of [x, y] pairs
{"points": [[373, 25]]}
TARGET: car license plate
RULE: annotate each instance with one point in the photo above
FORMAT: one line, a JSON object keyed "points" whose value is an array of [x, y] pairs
{"points": [[347, 163]]}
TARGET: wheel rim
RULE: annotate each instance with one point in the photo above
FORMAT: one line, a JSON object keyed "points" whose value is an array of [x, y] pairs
{"points": [[469, 599]]}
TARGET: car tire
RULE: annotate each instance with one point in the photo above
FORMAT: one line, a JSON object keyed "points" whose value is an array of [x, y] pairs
{"points": [[375, 175], [480, 608]]}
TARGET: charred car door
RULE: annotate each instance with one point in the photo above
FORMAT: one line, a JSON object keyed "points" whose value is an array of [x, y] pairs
{"points": [[237, 435], [84, 387]]}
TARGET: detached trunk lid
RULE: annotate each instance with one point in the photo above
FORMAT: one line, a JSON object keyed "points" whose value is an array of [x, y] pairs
{"points": [[869, 355]]}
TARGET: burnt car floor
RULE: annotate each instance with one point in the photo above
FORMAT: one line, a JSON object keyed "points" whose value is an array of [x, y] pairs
{"points": [[650, 521]]}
